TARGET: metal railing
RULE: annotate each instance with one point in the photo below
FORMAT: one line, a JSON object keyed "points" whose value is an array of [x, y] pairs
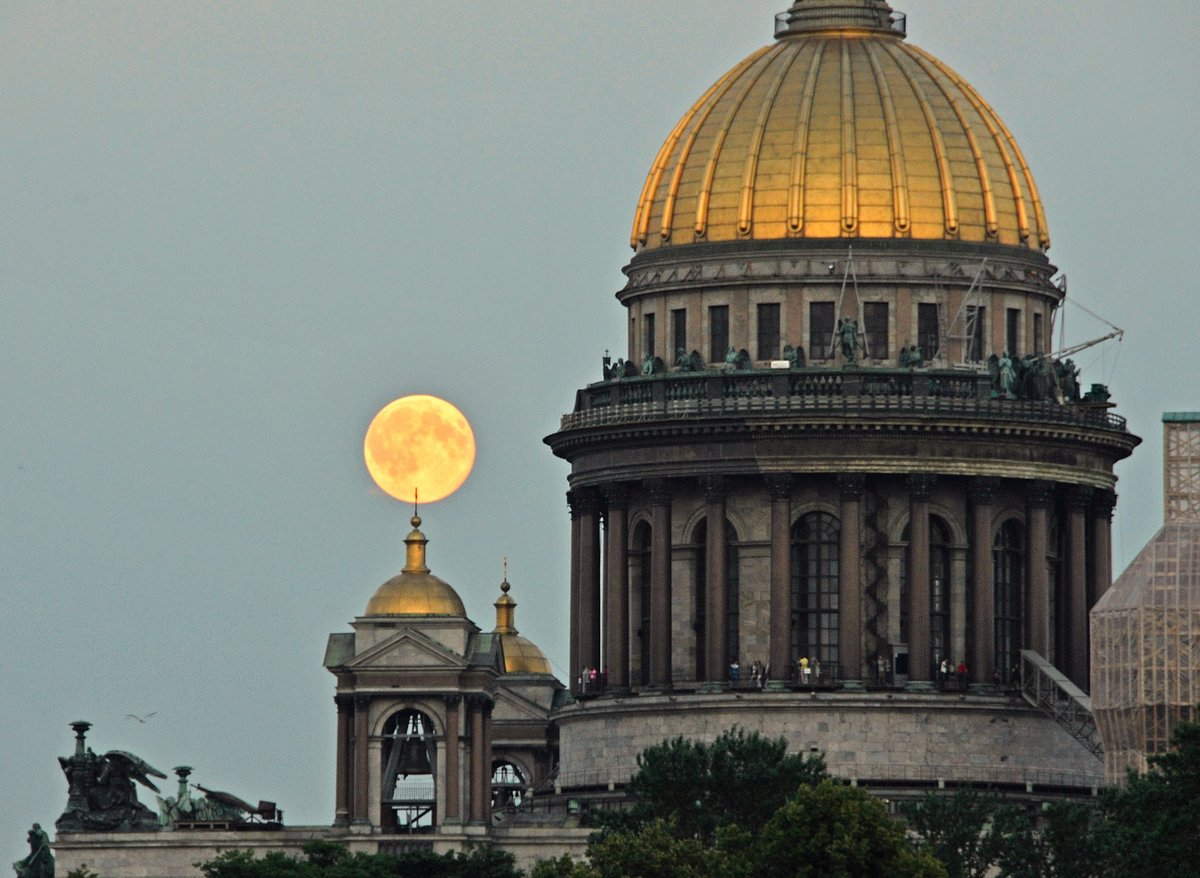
{"points": [[1044, 687]]}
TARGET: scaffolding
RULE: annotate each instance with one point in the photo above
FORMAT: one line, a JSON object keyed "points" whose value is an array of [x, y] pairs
{"points": [[1146, 628]]}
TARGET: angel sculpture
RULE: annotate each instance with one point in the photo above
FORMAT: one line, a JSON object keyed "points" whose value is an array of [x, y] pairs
{"points": [[101, 796]]}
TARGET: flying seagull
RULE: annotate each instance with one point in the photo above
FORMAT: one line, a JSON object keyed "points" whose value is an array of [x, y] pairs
{"points": [[142, 719]]}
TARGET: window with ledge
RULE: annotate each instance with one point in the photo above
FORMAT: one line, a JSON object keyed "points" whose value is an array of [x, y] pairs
{"points": [[648, 335], [678, 331], [1012, 332], [1038, 343], [875, 329], [768, 331], [820, 330], [718, 333], [976, 318], [1008, 558], [928, 330]]}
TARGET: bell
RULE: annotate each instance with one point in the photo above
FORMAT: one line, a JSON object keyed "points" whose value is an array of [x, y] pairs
{"points": [[414, 758]]}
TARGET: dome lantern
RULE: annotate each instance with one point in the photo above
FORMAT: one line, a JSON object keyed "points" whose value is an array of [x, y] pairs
{"points": [[813, 16], [521, 655]]}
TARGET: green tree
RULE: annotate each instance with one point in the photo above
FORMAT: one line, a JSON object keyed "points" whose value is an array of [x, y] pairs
{"points": [[696, 788], [1153, 823], [326, 860], [835, 831], [955, 829], [653, 851]]}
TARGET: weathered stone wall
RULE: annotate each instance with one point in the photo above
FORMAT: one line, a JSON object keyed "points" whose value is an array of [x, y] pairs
{"points": [[870, 737]]}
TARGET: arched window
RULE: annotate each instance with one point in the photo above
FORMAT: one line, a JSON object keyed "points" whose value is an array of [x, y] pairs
{"points": [[508, 785], [732, 597], [409, 760], [939, 589], [1008, 558], [815, 573], [639, 560]]}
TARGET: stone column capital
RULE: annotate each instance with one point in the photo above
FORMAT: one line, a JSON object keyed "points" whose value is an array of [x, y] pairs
{"points": [[616, 495], [659, 491], [1103, 504], [716, 488], [583, 501], [452, 701], [779, 486], [1039, 493], [920, 486], [851, 485], [1079, 497], [362, 702], [481, 702], [344, 702], [982, 490]]}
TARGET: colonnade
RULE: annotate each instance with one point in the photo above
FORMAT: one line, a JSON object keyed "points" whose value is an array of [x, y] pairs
{"points": [[604, 607]]}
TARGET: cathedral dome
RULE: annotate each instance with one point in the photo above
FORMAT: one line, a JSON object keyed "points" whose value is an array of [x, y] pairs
{"points": [[840, 129], [415, 592]]}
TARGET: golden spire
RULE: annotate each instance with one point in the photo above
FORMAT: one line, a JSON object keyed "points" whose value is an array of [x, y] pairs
{"points": [[416, 542], [505, 607]]}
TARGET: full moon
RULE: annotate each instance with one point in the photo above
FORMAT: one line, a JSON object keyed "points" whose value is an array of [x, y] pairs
{"points": [[419, 448]]}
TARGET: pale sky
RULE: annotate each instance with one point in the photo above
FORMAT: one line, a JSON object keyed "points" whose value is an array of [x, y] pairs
{"points": [[231, 232]]}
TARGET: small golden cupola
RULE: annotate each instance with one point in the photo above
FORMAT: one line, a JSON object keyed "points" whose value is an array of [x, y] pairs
{"points": [[416, 591], [521, 656]]}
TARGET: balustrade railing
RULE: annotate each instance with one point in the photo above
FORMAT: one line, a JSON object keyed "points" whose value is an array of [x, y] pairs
{"points": [[871, 391]]}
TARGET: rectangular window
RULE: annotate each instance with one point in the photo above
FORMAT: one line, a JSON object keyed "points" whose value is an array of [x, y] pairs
{"points": [[929, 332], [976, 317], [648, 335], [875, 329], [1012, 332], [768, 332], [1038, 344], [820, 330], [678, 331], [718, 333]]}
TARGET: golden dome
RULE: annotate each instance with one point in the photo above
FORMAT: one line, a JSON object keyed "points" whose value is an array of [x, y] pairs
{"points": [[840, 129], [415, 592], [521, 656]]}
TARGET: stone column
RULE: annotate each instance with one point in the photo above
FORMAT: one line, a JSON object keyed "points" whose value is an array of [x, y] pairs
{"points": [[616, 589], [588, 503], [453, 750], [716, 655], [575, 506], [660, 583], [982, 649], [1103, 503], [920, 487], [486, 775], [360, 806], [475, 711], [1079, 500], [780, 490], [850, 490], [1039, 496], [345, 723]]}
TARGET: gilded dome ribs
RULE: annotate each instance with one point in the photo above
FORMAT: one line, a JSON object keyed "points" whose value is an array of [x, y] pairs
{"points": [[1004, 142], [800, 144], [849, 156], [949, 199], [895, 143], [710, 170], [654, 178], [746, 203]]}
